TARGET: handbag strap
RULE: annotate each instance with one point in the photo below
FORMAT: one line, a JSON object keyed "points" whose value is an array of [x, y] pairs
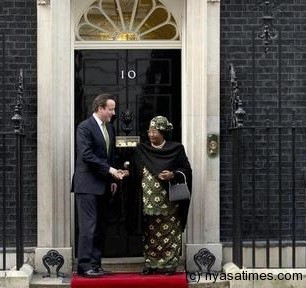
{"points": [[178, 171]]}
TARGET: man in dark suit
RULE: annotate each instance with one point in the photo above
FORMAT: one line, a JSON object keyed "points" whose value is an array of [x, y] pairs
{"points": [[93, 182]]}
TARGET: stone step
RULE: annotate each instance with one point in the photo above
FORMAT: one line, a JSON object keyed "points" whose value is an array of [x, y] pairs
{"points": [[38, 281], [221, 284]]}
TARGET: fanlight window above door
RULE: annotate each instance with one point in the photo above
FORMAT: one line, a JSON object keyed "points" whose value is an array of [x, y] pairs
{"points": [[127, 20]]}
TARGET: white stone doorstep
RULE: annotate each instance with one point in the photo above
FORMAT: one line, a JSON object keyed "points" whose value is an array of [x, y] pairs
{"points": [[16, 279]]}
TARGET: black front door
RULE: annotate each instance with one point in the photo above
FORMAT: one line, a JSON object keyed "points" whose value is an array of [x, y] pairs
{"points": [[146, 83]]}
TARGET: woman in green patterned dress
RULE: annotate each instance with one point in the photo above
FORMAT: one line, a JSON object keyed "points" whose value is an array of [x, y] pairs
{"points": [[162, 222]]}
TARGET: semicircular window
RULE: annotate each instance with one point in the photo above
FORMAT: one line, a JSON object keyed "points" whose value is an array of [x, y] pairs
{"points": [[127, 20]]}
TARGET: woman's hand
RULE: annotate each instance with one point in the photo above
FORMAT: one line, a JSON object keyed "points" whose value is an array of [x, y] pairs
{"points": [[165, 175]]}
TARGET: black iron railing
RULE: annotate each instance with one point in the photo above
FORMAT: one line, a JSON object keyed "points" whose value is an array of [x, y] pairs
{"points": [[268, 154], [11, 166], [268, 183]]}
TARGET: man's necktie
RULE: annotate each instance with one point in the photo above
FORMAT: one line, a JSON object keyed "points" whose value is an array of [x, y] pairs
{"points": [[106, 136]]}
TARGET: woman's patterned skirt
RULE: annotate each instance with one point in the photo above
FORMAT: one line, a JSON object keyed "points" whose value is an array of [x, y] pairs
{"points": [[162, 241]]}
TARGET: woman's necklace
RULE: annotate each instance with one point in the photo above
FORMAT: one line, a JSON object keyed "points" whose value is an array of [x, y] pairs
{"points": [[159, 146]]}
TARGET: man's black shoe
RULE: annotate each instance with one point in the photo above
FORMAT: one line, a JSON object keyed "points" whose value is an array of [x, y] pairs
{"points": [[92, 273], [105, 272]]}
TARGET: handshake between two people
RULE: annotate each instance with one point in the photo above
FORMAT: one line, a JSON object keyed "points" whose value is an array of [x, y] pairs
{"points": [[120, 174]]}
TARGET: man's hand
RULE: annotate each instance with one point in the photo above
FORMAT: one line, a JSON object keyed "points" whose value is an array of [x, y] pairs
{"points": [[118, 175], [124, 173]]}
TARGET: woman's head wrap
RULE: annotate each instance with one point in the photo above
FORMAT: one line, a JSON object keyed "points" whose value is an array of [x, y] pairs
{"points": [[161, 123]]}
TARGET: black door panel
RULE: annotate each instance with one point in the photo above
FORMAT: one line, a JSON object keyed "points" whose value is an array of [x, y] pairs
{"points": [[146, 83]]}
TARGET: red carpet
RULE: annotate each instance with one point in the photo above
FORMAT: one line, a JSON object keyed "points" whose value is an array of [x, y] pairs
{"points": [[132, 280]]}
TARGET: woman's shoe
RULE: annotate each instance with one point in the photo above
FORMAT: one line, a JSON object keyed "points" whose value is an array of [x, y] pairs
{"points": [[170, 271], [147, 271], [167, 271]]}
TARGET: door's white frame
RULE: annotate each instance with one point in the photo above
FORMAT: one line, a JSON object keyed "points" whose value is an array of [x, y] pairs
{"points": [[103, 45]]}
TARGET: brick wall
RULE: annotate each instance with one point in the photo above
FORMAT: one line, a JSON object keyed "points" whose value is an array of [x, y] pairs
{"points": [[265, 98], [18, 24]]}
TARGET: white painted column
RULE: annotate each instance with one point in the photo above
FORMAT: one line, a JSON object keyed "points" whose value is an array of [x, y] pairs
{"points": [[195, 112], [212, 213], [54, 124], [201, 117], [44, 124]]}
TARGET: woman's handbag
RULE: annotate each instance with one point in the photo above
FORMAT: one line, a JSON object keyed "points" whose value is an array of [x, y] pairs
{"points": [[179, 191]]}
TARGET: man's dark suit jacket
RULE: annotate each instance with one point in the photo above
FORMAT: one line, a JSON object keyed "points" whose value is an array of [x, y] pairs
{"points": [[91, 174]]}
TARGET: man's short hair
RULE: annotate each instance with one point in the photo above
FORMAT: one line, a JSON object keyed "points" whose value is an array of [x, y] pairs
{"points": [[101, 100]]}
